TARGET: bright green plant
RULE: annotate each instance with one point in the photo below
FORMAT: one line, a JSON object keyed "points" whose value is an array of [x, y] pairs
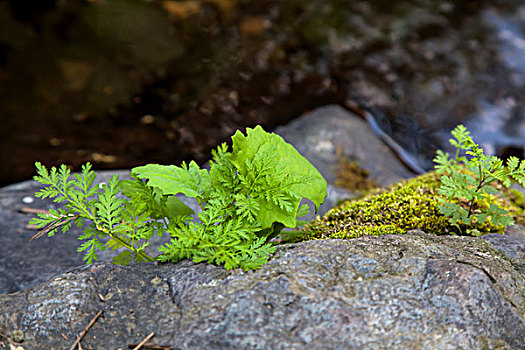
{"points": [[246, 198], [466, 180]]}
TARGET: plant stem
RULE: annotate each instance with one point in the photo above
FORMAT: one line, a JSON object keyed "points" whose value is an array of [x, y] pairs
{"points": [[140, 253], [126, 245], [480, 185]]}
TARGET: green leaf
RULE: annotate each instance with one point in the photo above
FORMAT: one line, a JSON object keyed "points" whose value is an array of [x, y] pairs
{"points": [[443, 162], [304, 179], [171, 179], [223, 173], [499, 216], [109, 207], [151, 201], [303, 210], [175, 207], [123, 258], [90, 246], [473, 185]]}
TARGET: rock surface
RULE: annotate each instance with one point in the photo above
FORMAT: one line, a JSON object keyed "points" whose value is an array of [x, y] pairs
{"points": [[416, 291], [24, 264]]}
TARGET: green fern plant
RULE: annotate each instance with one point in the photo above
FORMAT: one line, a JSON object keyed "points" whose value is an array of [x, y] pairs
{"points": [[246, 198], [95, 208], [466, 180]]}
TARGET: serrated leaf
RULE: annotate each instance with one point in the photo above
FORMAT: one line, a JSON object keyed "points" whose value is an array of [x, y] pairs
{"points": [[512, 163], [175, 207], [113, 244], [152, 202], [307, 181], [474, 186], [260, 183], [303, 210]]}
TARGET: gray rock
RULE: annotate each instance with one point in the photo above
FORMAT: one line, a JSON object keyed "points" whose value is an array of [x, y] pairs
{"points": [[22, 263], [512, 244], [390, 292]]}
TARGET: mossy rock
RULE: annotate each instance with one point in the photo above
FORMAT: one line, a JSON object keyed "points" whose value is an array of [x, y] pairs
{"points": [[408, 205]]}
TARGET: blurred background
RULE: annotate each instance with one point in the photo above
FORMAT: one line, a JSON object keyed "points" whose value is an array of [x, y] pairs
{"points": [[125, 82]]}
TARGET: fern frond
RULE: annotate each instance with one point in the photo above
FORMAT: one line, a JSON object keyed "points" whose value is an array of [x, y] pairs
{"points": [[91, 245], [473, 184], [109, 207]]}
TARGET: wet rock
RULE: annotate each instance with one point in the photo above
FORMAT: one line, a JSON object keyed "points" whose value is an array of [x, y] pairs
{"points": [[390, 292]]}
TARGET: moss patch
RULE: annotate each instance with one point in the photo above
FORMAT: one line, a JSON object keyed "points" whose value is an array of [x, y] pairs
{"points": [[408, 205]]}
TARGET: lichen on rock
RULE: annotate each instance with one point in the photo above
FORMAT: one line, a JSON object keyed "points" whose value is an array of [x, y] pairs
{"points": [[408, 205]]}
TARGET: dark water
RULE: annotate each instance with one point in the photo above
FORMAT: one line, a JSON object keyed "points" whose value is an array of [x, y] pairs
{"points": [[125, 82]]}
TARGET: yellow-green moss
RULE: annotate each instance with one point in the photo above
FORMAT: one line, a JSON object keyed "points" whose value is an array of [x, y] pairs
{"points": [[408, 205]]}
